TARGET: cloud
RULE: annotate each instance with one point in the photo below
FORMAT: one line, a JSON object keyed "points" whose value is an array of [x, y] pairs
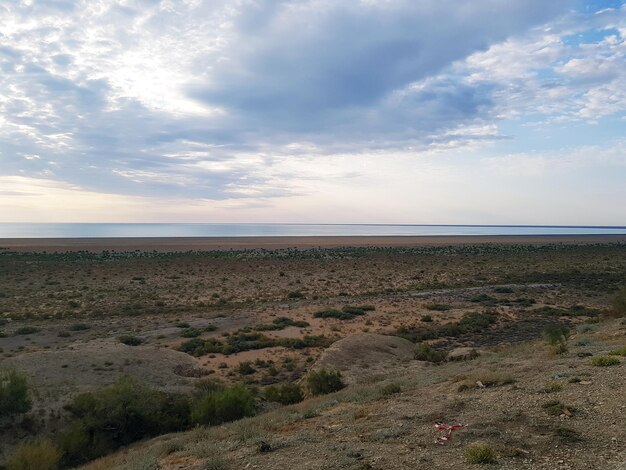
{"points": [[213, 100]]}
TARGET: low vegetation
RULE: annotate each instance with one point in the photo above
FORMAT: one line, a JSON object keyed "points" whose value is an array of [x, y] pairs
{"points": [[14, 395], [38, 455], [605, 361], [249, 341], [480, 453], [425, 352], [323, 382]]}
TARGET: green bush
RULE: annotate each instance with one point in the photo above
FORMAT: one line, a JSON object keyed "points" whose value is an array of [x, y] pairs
{"points": [[120, 414], [285, 394], [225, 405], [191, 333], [424, 352], [556, 336], [245, 368], [130, 340], [324, 381], [14, 397], [41, 455], [480, 453], [281, 323], [605, 361]]}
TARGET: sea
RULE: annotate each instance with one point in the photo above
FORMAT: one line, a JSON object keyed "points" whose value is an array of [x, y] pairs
{"points": [[141, 230]]}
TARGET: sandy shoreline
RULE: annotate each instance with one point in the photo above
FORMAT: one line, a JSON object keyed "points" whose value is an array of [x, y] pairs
{"points": [[239, 243]]}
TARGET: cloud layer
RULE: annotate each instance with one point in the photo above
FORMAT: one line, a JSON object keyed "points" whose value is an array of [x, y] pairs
{"points": [[241, 99]]}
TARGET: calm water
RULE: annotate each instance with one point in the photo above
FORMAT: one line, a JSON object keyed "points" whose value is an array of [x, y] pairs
{"points": [[19, 230]]}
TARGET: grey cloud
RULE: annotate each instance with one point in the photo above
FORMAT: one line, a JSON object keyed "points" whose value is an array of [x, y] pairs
{"points": [[332, 73]]}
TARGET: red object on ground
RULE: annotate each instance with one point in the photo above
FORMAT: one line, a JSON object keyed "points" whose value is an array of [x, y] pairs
{"points": [[448, 429]]}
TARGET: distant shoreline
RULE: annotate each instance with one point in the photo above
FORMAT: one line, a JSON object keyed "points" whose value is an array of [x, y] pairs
{"points": [[180, 244]]}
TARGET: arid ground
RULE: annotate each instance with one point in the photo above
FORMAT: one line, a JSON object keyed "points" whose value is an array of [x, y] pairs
{"points": [[75, 318]]}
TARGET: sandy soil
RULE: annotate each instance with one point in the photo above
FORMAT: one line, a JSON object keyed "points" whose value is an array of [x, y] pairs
{"points": [[232, 243]]}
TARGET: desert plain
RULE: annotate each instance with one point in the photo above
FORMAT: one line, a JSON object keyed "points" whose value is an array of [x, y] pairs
{"points": [[421, 329]]}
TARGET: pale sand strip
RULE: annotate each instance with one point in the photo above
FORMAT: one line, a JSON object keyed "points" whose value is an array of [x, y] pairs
{"points": [[238, 243]]}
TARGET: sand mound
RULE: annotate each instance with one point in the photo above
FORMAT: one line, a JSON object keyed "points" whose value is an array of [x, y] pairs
{"points": [[364, 357]]}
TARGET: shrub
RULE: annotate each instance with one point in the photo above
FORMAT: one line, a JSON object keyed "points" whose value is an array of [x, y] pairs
{"points": [[557, 408], [556, 336], [245, 368], [424, 352], [118, 415], [605, 361], [567, 435], [14, 397], [553, 387], [281, 323], [41, 455], [503, 290], [79, 327], [333, 313], [480, 453], [324, 381], [191, 333], [130, 340], [619, 352], [390, 389], [438, 307], [285, 394], [182, 324], [26, 330], [619, 301], [222, 406], [295, 295]]}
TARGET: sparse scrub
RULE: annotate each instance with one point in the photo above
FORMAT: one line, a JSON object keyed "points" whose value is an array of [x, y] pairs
{"points": [[280, 324], [26, 330], [118, 415], [618, 352], [438, 307], [605, 361], [390, 389], [324, 381], [79, 327], [191, 333], [556, 336], [245, 368], [480, 453], [225, 405], [130, 340], [557, 408], [14, 397], [619, 301], [567, 435], [553, 387], [425, 352], [285, 394], [484, 379], [40, 455]]}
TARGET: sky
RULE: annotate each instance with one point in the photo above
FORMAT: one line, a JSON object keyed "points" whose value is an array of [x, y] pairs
{"points": [[313, 111]]}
